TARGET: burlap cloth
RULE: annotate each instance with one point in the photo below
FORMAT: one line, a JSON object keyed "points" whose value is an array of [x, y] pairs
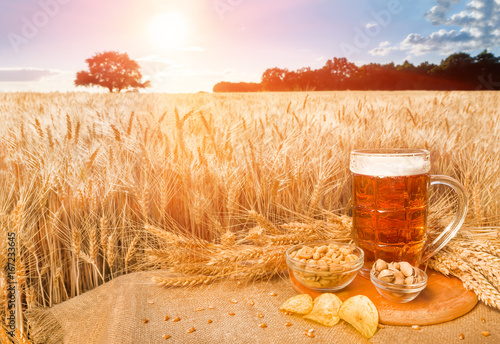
{"points": [[114, 313]]}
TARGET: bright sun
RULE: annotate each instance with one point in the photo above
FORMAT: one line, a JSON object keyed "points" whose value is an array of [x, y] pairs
{"points": [[168, 30]]}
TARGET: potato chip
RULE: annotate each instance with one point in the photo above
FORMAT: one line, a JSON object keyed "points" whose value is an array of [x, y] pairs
{"points": [[360, 312], [299, 304], [325, 309]]}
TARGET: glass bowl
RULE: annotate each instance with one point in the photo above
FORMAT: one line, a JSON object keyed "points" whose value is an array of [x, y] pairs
{"points": [[397, 292], [334, 276]]}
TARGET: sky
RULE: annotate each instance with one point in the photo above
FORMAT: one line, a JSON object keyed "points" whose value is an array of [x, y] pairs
{"points": [[186, 46]]}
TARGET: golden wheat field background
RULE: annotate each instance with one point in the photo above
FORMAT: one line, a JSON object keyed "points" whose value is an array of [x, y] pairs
{"points": [[97, 185]]}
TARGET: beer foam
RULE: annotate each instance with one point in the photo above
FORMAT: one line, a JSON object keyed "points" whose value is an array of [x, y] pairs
{"points": [[389, 166]]}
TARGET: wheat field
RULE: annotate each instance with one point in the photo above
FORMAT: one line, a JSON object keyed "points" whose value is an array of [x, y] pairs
{"points": [[94, 186]]}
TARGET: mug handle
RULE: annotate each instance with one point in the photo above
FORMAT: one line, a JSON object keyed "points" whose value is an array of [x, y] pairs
{"points": [[451, 230]]}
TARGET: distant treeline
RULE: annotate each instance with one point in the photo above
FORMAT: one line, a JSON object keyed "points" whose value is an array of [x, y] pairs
{"points": [[458, 71]]}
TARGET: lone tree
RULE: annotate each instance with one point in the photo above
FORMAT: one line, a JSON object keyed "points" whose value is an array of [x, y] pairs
{"points": [[113, 71]]}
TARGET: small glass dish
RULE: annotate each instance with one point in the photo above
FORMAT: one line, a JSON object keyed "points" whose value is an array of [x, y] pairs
{"points": [[332, 277], [397, 292]]}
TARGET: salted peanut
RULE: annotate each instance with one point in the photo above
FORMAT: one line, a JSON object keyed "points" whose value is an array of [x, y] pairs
{"points": [[327, 260], [345, 250], [306, 255], [307, 275], [485, 333], [315, 284], [323, 249], [337, 260], [166, 336], [263, 325], [305, 252], [406, 268], [191, 330], [336, 268], [323, 266], [324, 259], [326, 282], [351, 257], [176, 319]]}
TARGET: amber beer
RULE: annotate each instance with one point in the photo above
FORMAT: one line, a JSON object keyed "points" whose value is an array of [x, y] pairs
{"points": [[390, 216], [390, 203]]}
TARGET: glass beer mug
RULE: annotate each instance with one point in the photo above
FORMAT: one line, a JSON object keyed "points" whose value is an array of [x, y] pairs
{"points": [[390, 205]]}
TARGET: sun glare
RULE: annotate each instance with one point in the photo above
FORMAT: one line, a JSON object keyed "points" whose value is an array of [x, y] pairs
{"points": [[168, 30]]}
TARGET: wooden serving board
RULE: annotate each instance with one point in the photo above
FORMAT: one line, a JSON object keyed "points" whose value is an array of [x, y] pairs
{"points": [[442, 300]]}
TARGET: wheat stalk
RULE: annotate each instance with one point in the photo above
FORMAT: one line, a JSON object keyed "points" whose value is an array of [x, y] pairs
{"points": [[264, 223], [131, 251], [4, 337], [183, 281]]}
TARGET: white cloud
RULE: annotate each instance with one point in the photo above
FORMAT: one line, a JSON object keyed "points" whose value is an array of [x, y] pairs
{"points": [[477, 28], [446, 42], [437, 14], [29, 79], [383, 49], [25, 74], [157, 68]]}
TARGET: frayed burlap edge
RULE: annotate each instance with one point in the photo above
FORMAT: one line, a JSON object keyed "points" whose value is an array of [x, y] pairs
{"points": [[44, 327]]}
